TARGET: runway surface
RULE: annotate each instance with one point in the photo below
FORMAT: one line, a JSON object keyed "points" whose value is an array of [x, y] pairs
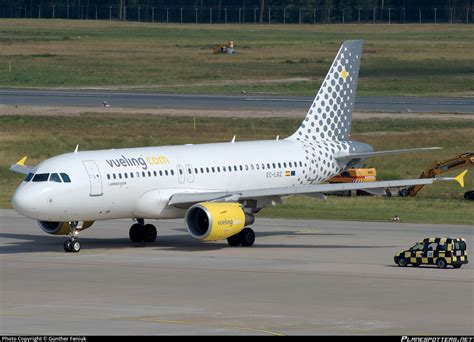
{"points": [[301, 277], [13, 97]]}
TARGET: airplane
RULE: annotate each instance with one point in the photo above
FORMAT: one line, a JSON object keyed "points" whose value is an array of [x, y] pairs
{"points": [[217, 187]]}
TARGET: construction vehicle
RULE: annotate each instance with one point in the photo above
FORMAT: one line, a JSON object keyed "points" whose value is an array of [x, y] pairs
{"points": [[461, 161], [355, 175]]}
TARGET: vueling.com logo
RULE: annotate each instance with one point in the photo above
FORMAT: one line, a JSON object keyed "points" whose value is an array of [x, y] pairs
{"points": [[129, 162]]}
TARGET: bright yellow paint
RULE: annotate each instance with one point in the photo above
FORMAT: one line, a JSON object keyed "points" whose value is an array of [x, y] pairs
{"points": [[344, 74], [460, 178], [227, 219], [22, 161]]}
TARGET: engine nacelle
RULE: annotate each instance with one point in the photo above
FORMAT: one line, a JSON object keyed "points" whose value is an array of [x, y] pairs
{"points": [[60, 228], [211, 221]]}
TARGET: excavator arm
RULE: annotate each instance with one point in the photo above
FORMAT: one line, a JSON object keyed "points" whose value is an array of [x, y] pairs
{"points": [[462, 161]]}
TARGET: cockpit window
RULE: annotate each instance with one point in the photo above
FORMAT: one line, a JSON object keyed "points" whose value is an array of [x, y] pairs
{"points": [[65, 178], [41, 177], [28, 178], [54, 178]]}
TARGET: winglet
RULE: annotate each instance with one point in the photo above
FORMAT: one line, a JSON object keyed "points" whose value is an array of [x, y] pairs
{"points": [[22, 161], [460, 178]]}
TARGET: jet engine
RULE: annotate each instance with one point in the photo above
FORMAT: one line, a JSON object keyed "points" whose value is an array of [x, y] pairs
{"points": [[209, 221], [60, 228]]}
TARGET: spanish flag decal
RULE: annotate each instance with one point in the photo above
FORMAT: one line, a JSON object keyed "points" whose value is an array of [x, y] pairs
{"points": [[289, 173]]}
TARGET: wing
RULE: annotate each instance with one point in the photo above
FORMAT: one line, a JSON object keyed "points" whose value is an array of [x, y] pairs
{"points": [[189, 198], [20, 167]]}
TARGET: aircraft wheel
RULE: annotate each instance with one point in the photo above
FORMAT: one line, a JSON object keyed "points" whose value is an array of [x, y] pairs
{"points": [[67, 246], [135, 233], [149, 233], [247, 237], [75, 246], [234, 240]]}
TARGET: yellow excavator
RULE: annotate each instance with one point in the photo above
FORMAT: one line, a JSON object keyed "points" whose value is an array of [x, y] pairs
{"points": [[461, 161]]}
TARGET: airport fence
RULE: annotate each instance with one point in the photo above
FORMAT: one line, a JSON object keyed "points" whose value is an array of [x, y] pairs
{"points": [[242, 15]]}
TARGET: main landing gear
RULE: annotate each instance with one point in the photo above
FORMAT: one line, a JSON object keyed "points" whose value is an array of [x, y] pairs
{"points": [[141, 232], [245, 238], [72, 244]]}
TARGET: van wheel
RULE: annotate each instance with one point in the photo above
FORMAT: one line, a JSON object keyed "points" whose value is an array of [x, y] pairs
{"points": [[457, 266], [441, 263], [415, 265], [402, 262]]}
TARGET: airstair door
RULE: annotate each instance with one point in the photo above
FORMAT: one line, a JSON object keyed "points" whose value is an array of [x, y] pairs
{"points": [[95, 179]]}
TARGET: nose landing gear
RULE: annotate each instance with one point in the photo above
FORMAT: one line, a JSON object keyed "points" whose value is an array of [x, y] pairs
{"points": [[72, 244], [141, 232]]}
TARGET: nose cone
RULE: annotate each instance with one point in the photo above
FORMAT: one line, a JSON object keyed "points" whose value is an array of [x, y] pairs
{"points": [[25, 202]]}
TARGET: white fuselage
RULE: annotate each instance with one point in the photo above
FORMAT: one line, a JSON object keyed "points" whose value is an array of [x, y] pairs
{"points": [[138, 182]]}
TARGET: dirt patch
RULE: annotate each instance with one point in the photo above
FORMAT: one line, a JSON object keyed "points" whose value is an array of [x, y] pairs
{"points": [[77, 111]]}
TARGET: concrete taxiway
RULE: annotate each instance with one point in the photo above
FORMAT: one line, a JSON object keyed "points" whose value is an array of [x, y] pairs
{"points": [[301, 277], [117, 99]]}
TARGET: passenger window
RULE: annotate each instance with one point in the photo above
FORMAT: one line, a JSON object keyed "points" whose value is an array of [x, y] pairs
{"points": [[263, 166], [180, 171], [125, 175], [274, 165], [202, 170], [213, 170], [149, 173], [108, 176], [190, 170], [246, 167], [241, 167], [172, 172], [456, 243], [143, 174], [279, 165], [55, 178], [131, 174], [166, 172], [207, 170], [268, 166], [223, 169], [114, 176], [251, 167], [28, 178], [257, 166], [138, 174], [120, 176], [289, 163], [432, 246], [161, 173], [284, 164], [235, 167], [65, 178], [155, 174], [301, 164], [195, 170], [417, 247], [218, 169]]}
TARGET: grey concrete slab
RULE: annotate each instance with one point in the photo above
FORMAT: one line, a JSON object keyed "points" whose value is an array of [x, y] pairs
{"points": [[301, 277], [117, 99]]}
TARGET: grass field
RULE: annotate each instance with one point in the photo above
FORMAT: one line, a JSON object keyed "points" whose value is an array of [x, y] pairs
{"points": [[43, 137], [428, 60]]}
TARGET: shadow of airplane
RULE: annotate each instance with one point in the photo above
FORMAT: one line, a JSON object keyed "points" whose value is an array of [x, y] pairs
{"points": [[27, 243]]}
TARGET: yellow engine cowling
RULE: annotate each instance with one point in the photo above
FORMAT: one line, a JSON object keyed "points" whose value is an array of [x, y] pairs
{"points": [[60, 228], [209, 221]]}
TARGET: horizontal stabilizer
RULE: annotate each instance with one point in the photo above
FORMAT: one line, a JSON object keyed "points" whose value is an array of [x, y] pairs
{"points": [[362, 155]]}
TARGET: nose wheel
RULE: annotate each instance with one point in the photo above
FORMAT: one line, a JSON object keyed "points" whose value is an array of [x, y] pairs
{"points": [[140, 232], [72, 244]]}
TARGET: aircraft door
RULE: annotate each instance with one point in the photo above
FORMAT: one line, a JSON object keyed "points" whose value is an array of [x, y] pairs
{"points": [[180, 173], [95, 179], [189, 173]]}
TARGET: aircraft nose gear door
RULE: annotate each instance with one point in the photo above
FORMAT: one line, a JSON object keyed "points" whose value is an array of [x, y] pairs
{"points": [[94, 177]]}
